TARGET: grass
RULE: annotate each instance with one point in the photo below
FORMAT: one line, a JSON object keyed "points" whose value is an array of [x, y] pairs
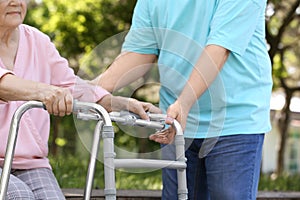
{"points": [[285, 182], [71, 171]]}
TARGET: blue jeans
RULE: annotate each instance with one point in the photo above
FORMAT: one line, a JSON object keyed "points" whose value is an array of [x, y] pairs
{"points": [[224, 168]]}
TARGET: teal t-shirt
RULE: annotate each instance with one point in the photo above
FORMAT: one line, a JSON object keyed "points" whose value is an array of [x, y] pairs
{"points": [[177, 31]]}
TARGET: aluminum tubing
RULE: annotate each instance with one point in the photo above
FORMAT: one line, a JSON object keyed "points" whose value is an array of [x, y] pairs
{"points": [[11, 143], [149, 163], [108, 146], [109, 166], [92, 163], [180, 157]]}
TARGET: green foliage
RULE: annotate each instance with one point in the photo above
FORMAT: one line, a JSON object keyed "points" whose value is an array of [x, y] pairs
{"points": [[282, 183], [77, 27], [283, 37], [66, 134], [70, 165], [70, 171], [139, 181]]}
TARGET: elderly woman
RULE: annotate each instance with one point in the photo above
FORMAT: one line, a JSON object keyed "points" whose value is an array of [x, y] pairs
{"points": [[32, 69]]}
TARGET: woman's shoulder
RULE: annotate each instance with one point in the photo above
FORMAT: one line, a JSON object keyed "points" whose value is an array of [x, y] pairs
{"points": [[30, 31]]}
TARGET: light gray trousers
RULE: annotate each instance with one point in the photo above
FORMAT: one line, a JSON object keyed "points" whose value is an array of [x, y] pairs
{"points": [[33, 184]]}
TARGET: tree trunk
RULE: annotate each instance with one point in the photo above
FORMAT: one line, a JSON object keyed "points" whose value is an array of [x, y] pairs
{"points": [[283, 124]]}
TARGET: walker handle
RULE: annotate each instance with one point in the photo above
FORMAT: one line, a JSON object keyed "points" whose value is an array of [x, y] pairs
{"points": [[132, 119]]}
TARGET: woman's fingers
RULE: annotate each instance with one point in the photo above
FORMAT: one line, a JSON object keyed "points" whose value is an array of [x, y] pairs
{"points": [[58, 101]]}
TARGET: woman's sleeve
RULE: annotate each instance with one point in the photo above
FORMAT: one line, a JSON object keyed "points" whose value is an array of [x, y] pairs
{"points": [[3, 72], [84, 91], [63, 76]]}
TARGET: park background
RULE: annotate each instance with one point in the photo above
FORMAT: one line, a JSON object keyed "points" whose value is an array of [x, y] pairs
{"points": [[81, 28]]}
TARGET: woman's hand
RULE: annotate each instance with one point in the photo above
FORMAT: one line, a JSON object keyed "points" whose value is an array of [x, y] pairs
{"points": [[58, 101], [118, 103]]}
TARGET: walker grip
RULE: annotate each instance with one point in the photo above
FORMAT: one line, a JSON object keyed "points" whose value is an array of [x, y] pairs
{"points": [[132, 119]]}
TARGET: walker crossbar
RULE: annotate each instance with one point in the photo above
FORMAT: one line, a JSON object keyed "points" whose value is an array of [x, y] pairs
{"points": [[149, 163], [104, 129]]}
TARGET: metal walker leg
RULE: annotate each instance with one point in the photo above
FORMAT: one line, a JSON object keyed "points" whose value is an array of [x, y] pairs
{"points": [[104, 128], [179, 164], [11, 143]]}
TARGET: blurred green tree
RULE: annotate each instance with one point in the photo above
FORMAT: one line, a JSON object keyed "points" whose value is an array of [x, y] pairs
{"points": [[283, 37], [78, 27]]}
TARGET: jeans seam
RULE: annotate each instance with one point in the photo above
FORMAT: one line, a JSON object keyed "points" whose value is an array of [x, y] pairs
{"points": [[253, 172], [197, 175]]}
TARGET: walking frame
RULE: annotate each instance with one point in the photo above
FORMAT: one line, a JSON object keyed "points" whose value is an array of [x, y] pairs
{"points": [[104, 130]]}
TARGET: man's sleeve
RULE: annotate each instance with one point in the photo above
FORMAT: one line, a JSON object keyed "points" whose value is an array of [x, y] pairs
{"points": [[141, 36], [234, 23]]}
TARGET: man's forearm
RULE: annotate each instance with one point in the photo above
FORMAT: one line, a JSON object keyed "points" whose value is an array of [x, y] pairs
{"points": [[204, 73], [126, 68]]}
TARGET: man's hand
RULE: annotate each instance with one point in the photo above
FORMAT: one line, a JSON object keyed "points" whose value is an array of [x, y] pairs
{"points": [[165, 136], [175, 111]]}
